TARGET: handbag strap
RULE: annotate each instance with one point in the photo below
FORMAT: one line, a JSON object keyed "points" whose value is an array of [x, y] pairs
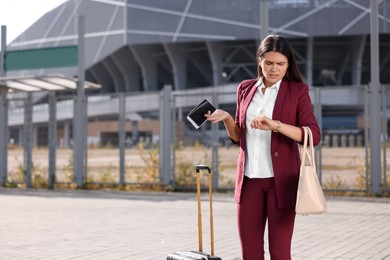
{"points": [[304, 147], [308, 141], [313, 161]]}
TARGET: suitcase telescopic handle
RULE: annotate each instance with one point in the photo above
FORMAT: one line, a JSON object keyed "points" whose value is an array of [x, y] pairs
{"points": [[198, 168]]}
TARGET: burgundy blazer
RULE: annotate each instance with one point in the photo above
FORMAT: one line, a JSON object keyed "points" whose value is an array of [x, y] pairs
{"points": [[292, 106]]}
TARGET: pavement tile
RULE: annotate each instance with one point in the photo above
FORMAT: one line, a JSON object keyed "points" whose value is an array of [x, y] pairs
{"points": [[54, 224]]}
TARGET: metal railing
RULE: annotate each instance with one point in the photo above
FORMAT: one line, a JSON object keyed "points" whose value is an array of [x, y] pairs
{"points": [[128, 113]]}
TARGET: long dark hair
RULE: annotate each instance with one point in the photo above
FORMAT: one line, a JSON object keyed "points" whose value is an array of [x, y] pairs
{"points": [[279, 44]]}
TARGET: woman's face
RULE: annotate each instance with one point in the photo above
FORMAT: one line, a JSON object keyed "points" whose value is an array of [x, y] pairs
{"points": [[273, 66]]}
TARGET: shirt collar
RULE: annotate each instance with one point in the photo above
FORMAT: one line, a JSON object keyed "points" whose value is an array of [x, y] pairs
{"points": [[259, 83]]}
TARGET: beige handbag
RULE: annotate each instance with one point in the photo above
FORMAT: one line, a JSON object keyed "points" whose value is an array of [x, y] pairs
{"points": [[310, 197]]}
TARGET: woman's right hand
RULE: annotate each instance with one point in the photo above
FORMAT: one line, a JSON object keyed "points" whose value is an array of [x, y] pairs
{"points": [[231, 128], [218, 116]]}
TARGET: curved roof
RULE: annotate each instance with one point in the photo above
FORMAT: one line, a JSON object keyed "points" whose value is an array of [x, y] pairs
{"points": [[122, 34], [42, 83], [152, 21]]}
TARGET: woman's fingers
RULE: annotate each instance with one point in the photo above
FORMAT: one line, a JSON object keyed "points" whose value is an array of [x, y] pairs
{"points": [[217, 116], [260, 122], [256, 122]]}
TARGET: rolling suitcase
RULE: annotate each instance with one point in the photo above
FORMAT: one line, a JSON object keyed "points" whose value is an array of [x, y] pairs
{"points": [[199, 255]]}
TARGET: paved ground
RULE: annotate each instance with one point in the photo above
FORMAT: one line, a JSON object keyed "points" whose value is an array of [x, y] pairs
{"points": [[117, 225]]}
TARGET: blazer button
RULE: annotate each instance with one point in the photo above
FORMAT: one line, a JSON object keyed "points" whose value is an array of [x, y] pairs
{"points": [[276, 154]]}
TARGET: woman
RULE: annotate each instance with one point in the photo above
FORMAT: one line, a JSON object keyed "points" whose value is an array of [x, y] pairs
{"points": [[271, 111]]}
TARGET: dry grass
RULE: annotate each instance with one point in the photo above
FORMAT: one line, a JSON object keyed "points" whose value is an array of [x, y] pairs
{"points": [[341, 167]]}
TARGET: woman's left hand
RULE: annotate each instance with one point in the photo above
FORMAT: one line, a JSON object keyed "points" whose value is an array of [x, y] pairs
{"points": [[218, 116], [263, 123]]}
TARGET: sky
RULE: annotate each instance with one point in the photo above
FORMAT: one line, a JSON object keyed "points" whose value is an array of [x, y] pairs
{"points": [[19, 15]]}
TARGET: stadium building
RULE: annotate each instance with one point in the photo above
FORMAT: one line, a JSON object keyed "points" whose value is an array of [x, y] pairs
{"points": [[140, 46]]}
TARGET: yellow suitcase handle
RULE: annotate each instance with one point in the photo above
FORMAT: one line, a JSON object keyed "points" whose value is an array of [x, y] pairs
{"points": [[199, 168]]}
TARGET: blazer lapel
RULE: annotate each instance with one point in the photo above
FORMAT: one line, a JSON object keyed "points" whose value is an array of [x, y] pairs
{"points": [[276, 114], [247, 100]]}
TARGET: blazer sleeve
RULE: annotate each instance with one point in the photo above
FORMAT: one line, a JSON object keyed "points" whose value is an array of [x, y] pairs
{"points": [[243, 90], [238, 105], [306, 115]]}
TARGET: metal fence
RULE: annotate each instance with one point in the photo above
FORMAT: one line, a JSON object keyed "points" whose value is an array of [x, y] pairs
{"points": [[343, 157], [145, 139]]}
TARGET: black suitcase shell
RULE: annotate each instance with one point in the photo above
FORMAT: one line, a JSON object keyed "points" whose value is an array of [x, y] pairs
{"points": [[191, 255]]}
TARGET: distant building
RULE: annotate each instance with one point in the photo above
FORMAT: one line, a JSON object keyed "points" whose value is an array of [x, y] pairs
{"points": [[142, 45]]}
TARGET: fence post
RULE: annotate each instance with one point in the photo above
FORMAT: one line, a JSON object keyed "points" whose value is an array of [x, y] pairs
{"points": [[384, 130], [318, 114], [214, 145], [52, 139], [3, 137], [122, 137], [28, 114], [375, 115], [367, 94], [80, 116], [3, 114], [165, 134]]}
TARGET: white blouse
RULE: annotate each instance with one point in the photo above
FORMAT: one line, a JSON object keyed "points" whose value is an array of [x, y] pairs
{"points": [[258, 163]]}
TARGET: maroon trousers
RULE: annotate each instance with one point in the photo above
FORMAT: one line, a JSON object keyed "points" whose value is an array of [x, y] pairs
{"points": [[258, 205]]}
